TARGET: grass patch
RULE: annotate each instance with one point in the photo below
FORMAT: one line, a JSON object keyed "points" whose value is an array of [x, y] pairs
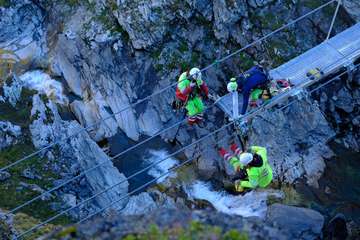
{"points": [[196, 230], [12, 195], [72, 3], [20, 114], [5, 3], [23, 222]]}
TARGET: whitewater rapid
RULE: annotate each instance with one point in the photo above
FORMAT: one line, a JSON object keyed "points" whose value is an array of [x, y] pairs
{"points": [[162, 167], [44, 84], [250, 204]]}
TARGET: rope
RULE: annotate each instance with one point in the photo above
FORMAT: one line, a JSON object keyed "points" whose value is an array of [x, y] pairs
{"points": [[163, 89], [154, 164], [333, 20], [101, 164], [123, 181]]}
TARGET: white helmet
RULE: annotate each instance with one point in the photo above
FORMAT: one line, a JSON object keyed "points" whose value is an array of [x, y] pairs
{"points": [[195, 73], [246, 158]]}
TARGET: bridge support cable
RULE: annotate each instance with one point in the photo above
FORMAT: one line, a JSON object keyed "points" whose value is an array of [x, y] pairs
{"points": [[243, 118], [137, 173], [101, 164], [130, 106], [333, 19]]}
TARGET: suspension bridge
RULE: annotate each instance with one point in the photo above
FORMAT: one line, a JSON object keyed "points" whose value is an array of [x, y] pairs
{"points": [[339, 52]]}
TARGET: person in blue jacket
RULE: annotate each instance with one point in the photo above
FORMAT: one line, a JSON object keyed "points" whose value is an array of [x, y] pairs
{"points": [[251, 79]]}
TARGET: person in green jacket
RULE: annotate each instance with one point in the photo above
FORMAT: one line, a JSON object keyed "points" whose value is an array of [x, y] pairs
{"points": [[252, 167], [190, 90]]}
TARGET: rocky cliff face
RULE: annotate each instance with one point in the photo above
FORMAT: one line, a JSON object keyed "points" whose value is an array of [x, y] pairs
{"points": [[79, 154], [107, 55], [168, 221]]}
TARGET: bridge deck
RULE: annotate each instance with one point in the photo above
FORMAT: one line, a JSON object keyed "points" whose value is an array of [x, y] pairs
{"points": [[329, 56]]}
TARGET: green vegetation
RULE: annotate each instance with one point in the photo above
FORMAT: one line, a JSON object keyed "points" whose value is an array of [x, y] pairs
{"points": [[246, 61], [23, 222], [110, 23], [5, 3], [13, 194], [20, 115], [194, 231], [312, 4], [17, 189], [73, 3]]}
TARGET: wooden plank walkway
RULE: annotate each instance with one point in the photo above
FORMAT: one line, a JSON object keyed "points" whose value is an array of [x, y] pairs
{"points": [[339, 51]]}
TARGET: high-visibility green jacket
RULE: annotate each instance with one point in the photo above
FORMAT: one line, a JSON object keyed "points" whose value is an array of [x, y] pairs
{"points": [[258, 176], [183, 82]]}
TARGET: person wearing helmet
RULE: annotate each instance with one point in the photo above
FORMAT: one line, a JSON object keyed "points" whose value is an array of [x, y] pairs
{"points": [[189, 90], [252, 167], [254, 78]]}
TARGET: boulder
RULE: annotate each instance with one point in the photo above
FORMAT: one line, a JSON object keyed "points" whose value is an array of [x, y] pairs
{"points": [[4, 176], [295, 139], [139, 205], [344, 100], [301, 223], [69, 200], [9, 134]]}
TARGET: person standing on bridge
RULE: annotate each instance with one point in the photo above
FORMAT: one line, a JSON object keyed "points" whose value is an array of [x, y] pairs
{"points": [[256, 77], [190, 90], [252, 167]]}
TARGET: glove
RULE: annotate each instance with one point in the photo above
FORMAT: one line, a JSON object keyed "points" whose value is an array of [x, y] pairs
{"points": [[238, 186]]}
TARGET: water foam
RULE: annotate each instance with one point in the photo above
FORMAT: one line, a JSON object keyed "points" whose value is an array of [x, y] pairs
{"points": [[44, 84], [250, 204], [163, 167]]}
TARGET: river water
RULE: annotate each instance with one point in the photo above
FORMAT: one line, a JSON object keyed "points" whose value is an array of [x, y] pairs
{"points": [[143, 156]]}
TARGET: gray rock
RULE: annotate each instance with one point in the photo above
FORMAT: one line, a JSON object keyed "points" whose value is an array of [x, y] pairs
{"points": [[7, 228], [295, 140], [353, 8], [344, 100], [356, 121], [139, 205], [150, 122], [115, 226], [89, 114], [226, 15], [69, 200], [302, 223], [30, 174], [147, 22], [4, 176], [12, 91], [26, 40], [9, 134], [79, 150]]}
